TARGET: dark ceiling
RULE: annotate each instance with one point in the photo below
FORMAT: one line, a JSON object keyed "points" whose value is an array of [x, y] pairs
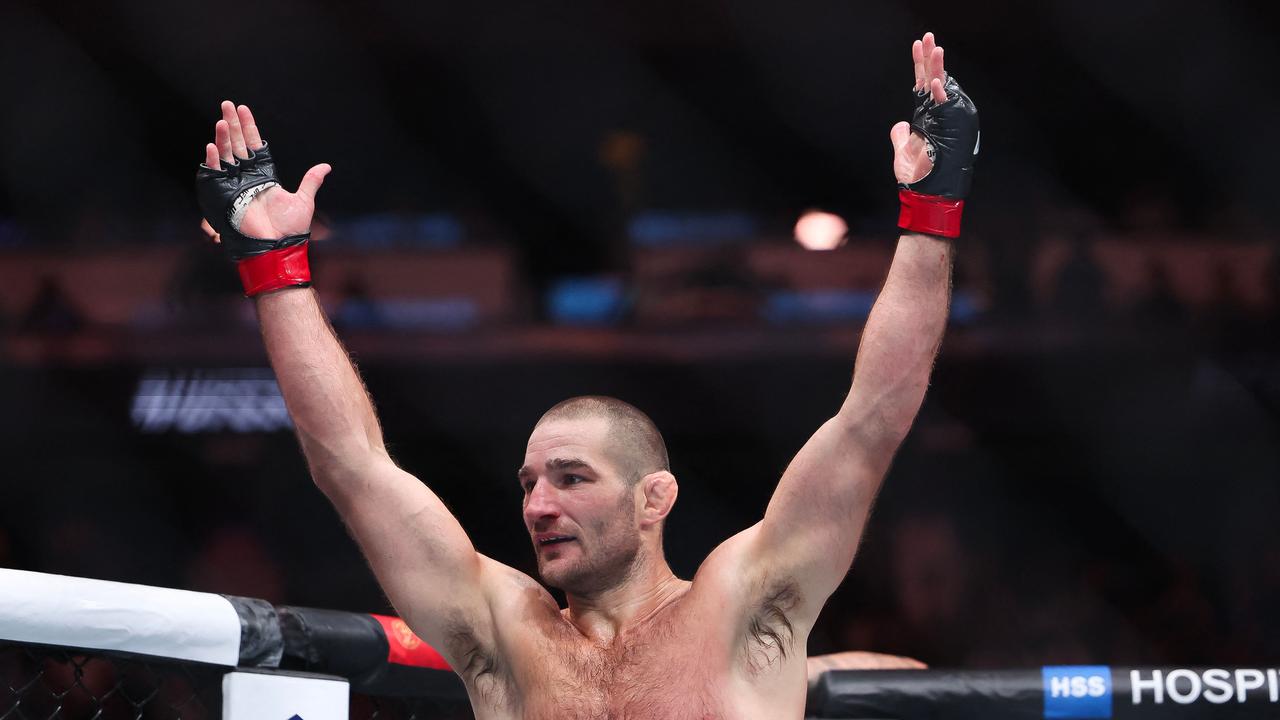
{"points": [[498, 111]]}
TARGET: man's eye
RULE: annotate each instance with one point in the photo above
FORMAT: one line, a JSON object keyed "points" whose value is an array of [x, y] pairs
{"points": [[572, 479]]}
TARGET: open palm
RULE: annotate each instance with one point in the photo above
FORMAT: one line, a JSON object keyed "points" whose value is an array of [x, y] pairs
{"points": [[277, 213], [274, 213], [911, 161]]}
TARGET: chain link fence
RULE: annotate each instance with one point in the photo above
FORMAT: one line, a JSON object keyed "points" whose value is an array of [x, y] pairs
{"points": [[56, 683], [40, 682]]}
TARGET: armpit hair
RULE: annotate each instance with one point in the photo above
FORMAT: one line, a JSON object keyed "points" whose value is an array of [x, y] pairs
{"points": [[476, 661], [769, 628]]}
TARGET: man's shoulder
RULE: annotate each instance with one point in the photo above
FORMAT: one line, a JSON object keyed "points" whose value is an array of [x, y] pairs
{"points": [[737, 578], [511, 598], [729, 564], [506, 586], [729, 577]]}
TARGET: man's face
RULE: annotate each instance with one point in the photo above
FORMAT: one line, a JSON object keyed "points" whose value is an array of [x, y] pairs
{"points": [[579, 510]]}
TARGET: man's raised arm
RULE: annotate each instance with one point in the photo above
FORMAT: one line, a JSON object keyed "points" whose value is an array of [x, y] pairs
{"points": [[423, 559], [816, 516]]}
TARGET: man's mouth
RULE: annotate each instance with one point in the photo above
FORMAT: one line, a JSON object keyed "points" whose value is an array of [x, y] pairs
{"points": [[555, 540]]}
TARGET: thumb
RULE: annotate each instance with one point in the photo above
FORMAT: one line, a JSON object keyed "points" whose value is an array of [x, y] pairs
{"points": [[899, 134], [312, 181]]}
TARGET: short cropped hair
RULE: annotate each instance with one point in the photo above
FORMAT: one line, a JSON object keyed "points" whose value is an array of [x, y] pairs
{"points": [[634, 441]]}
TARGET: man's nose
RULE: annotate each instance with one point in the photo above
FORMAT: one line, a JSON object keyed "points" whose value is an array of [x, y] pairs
{"points": [[541, 504]]}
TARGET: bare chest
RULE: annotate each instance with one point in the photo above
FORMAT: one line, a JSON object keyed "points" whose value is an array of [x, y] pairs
{"points": [[676, 668]]}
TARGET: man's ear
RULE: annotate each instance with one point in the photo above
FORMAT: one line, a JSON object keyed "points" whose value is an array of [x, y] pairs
{"points": [[660, 490]]}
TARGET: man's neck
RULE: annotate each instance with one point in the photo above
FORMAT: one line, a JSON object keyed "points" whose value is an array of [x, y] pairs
{"points": [[603, 616]]}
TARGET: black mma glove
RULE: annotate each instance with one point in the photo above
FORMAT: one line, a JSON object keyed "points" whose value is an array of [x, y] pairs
{"points": [[224, 195], [935, 203]]}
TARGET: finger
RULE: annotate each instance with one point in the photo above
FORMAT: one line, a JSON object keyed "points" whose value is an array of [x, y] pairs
{"points": [[211, 157], [927, 44], [312, 181], [917, 58], [251, 136], [209, 229], [237, 135], [939, 95], [899, 134], [222, 136], [935, 64]]}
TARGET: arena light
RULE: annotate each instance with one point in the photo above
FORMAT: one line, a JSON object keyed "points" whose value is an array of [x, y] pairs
{"points": [[818, 230], [587, 300], [237, 400]]}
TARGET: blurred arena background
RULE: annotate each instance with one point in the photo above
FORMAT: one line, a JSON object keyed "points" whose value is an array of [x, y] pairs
{"points": [[532, 201]]}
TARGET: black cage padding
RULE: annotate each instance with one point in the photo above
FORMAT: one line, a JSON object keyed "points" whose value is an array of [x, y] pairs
{"points": [[886, 694], [1021, 695], [260, 642], [355, 646]]}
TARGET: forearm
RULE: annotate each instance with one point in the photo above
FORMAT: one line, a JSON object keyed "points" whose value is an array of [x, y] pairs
{"points": [[334, 416], [811, 528], [901, 339]]}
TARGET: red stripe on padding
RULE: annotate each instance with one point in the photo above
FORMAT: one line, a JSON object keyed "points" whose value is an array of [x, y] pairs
{"points": [[406, 648]]}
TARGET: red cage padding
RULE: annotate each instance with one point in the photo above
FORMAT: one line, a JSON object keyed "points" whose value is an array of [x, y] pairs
{"points": [[404, 647]]}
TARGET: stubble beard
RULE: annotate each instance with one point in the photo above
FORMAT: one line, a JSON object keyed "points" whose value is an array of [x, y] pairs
{"points": [[617, 556]]}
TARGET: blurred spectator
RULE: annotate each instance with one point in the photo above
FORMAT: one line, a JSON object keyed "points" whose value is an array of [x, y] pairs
{"points": [[206, 293], [1227, 320], [1257, 588], [1226, 299], [82, 687], [1054, 600], [1078, 295], [87, 546], [720, 288], [1179, 624], [356, 309], [931, 578], [1272, 281], [1151, 210], [1010, 238], [234, 561], [622, 154], [51, 311], [930, 570], [1160, 306]]}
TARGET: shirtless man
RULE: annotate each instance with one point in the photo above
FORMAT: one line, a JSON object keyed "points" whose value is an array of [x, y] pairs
{"points": [[635, 640]]}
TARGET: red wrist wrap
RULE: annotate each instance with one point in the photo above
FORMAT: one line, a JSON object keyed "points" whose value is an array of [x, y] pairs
{"points": [[277, 269], [930, 214]]}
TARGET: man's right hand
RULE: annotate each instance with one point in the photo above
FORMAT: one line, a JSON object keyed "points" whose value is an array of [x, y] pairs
{"points": [[934, 153], [265, 227]]}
